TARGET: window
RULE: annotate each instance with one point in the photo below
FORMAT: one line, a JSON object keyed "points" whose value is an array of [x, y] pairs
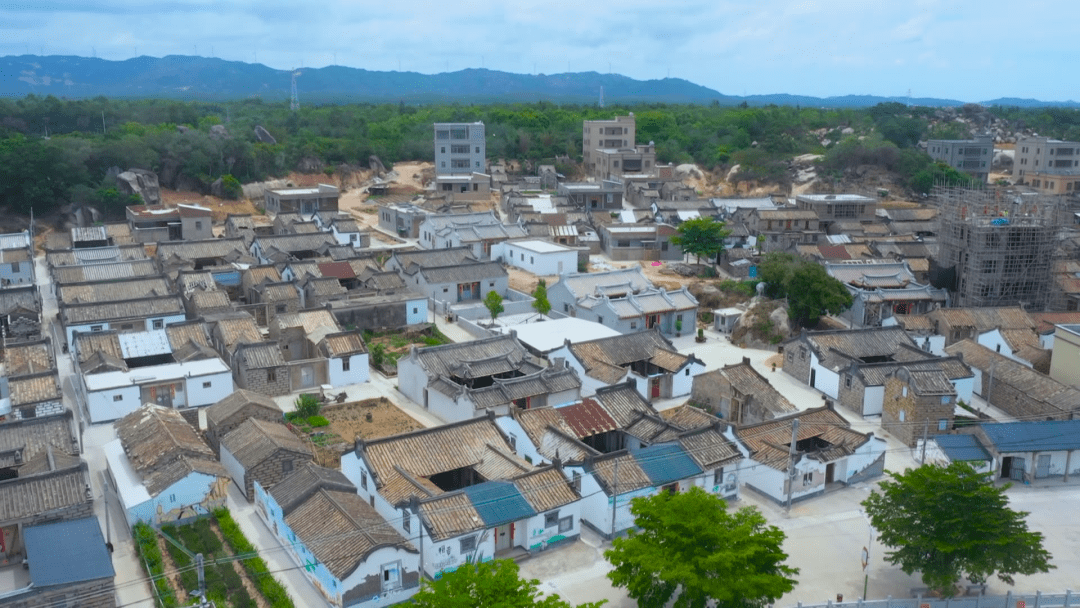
{"points": [[198, 224], [491, 284], [903, 391], [577, 481], [808, 478], [847, 380], [95, 328], [172, 497], [455, 149], [477, 149], [286, 466], [345, 364], [468, 544], [352, 237], [903, 415], [718, 476], [363, 479], [206, 385], [14, 267], [280, 308], [600, 320], [271, 375], [943, 424], [117, 397], [551, 519], [633, 325], [565, 307], [445, 289], [406, 520], [566, 524]]}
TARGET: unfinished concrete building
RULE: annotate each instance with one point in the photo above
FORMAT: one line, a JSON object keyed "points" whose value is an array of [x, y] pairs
{"points": [[997, 247]]}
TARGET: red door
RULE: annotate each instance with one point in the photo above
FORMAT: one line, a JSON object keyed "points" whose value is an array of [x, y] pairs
{"points": [[655, 392]]}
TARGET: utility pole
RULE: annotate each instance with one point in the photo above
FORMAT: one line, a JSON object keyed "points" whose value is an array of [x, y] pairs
{"points": [[614, 496], [201, 593], [791, 463], [925, 428]]}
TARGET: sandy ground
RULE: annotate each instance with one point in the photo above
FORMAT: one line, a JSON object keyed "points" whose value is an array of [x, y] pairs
{"points": [[219, 207]]}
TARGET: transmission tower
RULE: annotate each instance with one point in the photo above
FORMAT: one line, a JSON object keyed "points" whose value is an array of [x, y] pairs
{"points": [[294, 102]]}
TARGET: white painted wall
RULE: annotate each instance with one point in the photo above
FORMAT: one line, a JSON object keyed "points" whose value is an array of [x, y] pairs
{"points": [[873, 400], [235, 469], [523, 445], [221, 386], [416, 311], [994, 341], [539, 263], [683, 380], [964, 388], [358, 370], [412, 380], [825, 380], [103, 406], [589, 385]]}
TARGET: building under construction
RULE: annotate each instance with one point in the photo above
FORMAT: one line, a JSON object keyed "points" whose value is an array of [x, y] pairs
{"points": [[997, 246]]}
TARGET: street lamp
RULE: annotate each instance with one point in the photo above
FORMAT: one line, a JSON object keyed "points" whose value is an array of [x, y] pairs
{"points": [[865, 557]]}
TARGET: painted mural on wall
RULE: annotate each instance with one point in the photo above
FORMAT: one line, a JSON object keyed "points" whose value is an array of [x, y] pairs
{"points": [[213, 499]]}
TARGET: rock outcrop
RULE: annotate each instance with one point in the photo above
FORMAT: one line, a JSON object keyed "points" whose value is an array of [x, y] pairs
{"points": [[141, 182]]}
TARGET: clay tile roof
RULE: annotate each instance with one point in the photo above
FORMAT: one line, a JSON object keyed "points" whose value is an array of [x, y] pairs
{"points": [[337, 270]]}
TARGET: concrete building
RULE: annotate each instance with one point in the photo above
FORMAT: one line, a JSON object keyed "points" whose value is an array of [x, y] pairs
{"points": [[1065, 363], [972, 156], [616, 133], [835, 208], [615, 163], [623, 300], [156, 223], [1032, 449], [634, 242], [460, 148], [605, 195], [542, 258], [305, 201], [1045, 156]]}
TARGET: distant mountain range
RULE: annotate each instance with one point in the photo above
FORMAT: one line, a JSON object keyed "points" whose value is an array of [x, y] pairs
{"points": [[208, 79]]}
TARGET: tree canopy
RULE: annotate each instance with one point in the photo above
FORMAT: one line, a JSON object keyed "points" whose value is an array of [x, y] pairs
{"points": [[493, 583], [690, 545], [952, 522], [702, 236], [540, 300], [810, 291], [494, 303]]}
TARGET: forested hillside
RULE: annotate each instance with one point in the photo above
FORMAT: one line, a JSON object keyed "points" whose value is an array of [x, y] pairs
{"points": [[177, 139]]}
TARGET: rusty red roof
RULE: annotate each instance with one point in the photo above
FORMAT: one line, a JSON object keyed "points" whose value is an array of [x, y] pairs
{"points": [[588, 418], [834, 252], [337, 270]]}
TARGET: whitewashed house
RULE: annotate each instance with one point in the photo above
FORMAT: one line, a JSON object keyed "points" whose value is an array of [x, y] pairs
{"points": [[345, 549], [542, 258]]}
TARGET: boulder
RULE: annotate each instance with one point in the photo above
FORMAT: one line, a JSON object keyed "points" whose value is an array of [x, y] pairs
{"points": [[141, 182], [219, 131], [263, 135], [182, 128], [217, 188], [781, 324], [688, 170]]}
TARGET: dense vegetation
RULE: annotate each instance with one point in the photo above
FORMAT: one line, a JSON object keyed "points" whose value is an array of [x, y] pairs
{"points": [[87, 137]]}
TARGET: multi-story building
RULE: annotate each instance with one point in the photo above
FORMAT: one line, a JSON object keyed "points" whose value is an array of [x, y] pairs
{"points": [[1045, 156], [460, 148], [614, 163], [971, 156], [617, 133]]}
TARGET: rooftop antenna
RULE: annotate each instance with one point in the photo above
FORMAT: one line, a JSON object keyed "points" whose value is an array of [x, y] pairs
{"points": [[294, 101], [601, 97]]}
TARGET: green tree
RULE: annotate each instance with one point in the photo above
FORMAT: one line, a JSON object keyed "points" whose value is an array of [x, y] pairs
{"points": [[702, 236], [952, 522], [540, 302], [776, 270], [231, 186], [811, 293], [688, 543], [494, 303], [493, 583]]}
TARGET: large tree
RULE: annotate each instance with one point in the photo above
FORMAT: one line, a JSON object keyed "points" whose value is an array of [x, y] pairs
{"points": [[811, 293], [494, 303], [703, 237], [493, 583], [952, 522], [689, 545]]}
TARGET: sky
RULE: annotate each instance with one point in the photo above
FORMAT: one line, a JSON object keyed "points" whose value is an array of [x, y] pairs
{"points": [[954, 49]]}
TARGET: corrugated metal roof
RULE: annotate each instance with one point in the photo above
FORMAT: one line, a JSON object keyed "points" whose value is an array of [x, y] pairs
{"points": [[587, 418], [261, 356], [105, 272], [1034, 436], [95, 255], [963, 448], [498, 502], [144, 344], [84, 556], [665, 463]]}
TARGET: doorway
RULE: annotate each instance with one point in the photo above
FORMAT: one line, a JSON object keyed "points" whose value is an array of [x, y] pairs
{"points": [[307, 376], [654, 387], [1042, 466], [830, 472], [504, 537], [1012, 467], [813, 377]]}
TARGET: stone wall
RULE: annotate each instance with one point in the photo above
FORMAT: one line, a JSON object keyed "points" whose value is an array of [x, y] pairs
{"points": [[270, 471], [361, 315], [851, 391], [272, 382], [906, 415], [1017, 403], [797, 360], [100, 593]]}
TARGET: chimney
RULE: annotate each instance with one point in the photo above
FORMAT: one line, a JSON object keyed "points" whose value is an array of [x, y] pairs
{"points": [[746, 360]]}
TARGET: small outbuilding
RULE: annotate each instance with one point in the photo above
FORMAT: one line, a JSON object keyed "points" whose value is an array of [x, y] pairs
{"points": [[263, 451], [542, 258], [232, 411]]}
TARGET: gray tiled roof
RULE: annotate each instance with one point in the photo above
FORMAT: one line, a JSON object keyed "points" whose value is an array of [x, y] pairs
{"points": [[205, 249], [130, 309], [463, 273]]}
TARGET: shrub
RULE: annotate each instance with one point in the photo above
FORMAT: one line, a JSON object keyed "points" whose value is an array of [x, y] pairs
{"points": [[378, 355], [307, 406], [231, 187], [318, 421]]}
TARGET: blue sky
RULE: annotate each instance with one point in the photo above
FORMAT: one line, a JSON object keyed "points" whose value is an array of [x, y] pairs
{"points": [[957, 49]]}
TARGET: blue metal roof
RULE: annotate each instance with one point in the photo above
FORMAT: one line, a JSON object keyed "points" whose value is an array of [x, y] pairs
{"points": [[498, 502], [226, 277], [67, 552], [665, 463], [1037, 435], [962, 448]]}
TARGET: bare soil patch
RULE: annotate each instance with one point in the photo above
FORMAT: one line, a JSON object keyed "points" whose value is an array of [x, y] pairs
{"points": [[368, 419]]}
